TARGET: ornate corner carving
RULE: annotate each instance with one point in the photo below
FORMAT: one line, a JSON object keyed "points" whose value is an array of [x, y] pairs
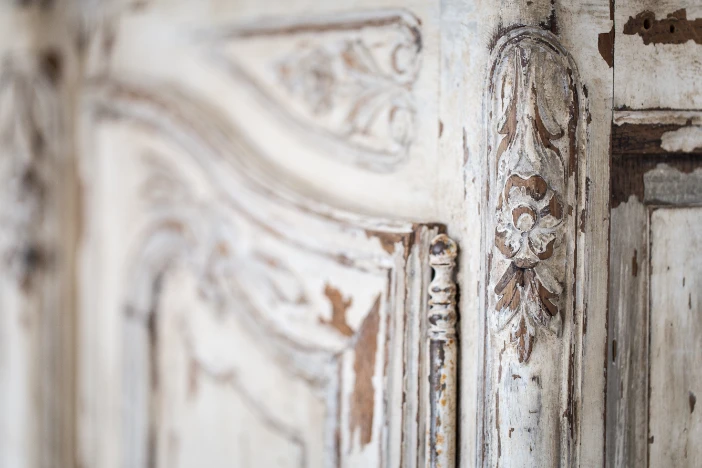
{"points": [[534, 112], [443, 350], [346, 80]]}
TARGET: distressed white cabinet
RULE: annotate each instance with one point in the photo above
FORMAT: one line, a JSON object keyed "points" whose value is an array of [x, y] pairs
{"points": [[408, 233]]}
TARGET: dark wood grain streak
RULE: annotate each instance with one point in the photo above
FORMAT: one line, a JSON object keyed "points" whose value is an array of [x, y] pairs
{"points": [[633, 139]]}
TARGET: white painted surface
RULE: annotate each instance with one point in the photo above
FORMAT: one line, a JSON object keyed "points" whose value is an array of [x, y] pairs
{"points": [[675, 423], [686, 140], [335, 217], [656, 76]]}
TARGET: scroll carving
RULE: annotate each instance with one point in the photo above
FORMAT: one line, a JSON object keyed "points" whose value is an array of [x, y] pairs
{"points": [[443, 349], [532, 355], [346, 81]]}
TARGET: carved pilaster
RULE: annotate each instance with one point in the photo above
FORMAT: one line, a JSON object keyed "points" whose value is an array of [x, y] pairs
{"points": [[37, 324], [443, 350], [534, 119]]}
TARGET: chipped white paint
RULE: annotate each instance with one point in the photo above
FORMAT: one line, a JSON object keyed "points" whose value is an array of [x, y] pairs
{"points": [[685, 140], [654, 254], [345, 81], [662, 75], [323, 304], [657, 117], [237, 242]]}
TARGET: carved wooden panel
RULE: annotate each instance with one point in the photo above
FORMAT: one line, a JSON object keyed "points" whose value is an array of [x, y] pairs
{"points": [[244, 307], [345, 81], [532, 354]]}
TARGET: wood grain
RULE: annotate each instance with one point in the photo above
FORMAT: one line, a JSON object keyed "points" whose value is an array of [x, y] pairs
{"points": [[676, 337]]}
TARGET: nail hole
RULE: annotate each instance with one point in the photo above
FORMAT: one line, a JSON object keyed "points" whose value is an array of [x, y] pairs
{"points": [[672, 28], [647, 24]]}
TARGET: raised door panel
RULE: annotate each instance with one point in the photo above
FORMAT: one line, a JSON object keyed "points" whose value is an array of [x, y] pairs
{"points": [[676, 337], [233, 315], [653, 339]]}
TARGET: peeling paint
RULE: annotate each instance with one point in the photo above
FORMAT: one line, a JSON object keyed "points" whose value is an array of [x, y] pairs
{"points": [[362, 404], [340, 306], [605, 44], [685, 140], [673, 29]]}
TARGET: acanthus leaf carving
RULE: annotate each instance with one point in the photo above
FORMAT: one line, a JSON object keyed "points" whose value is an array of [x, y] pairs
{"points": [[345, 81], [534, 127], [534, 146]]}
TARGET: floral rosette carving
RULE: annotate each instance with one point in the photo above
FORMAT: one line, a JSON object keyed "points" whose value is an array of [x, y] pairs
{"points": [[529, 227]]}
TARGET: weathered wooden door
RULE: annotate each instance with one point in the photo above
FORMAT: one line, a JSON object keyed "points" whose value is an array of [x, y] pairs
{"points": [[655, 301], [414, 233]]}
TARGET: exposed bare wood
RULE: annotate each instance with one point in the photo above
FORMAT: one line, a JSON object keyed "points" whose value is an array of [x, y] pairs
{"points": [[655, 55], [665, 185], [675, 28], [239, 250], [251, 291], [654, 139], [649, 414]]}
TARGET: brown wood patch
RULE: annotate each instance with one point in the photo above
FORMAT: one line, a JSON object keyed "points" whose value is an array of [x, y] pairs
{"points": [[673, 29], [641, 138], [363, 397], [627, 174], [605, 44], [637, 149], [339, 308]]}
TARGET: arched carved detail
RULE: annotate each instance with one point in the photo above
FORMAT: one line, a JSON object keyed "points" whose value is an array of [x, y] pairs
{"points": [[535, 157], [348, 329]]}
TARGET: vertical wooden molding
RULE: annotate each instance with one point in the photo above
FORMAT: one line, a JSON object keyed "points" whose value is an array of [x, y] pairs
{"points": [[531, 356], [443, 353], [36, 330]]}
